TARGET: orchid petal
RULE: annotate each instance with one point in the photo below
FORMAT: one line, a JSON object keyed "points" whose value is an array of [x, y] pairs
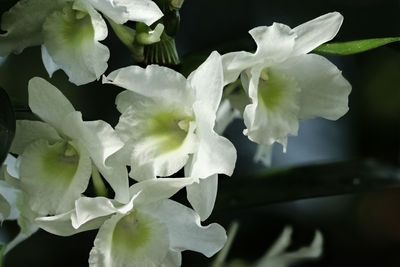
{"points": [[62, 224], [23, 24], [121, 11], [184, 228], [324, 91], [207, 81], [202, 195], [48, 102], [316, 32]]}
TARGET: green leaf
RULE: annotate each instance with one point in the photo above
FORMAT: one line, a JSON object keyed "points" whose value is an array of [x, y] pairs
{"points": [[7, 124], [354, 47], [281, 185]]}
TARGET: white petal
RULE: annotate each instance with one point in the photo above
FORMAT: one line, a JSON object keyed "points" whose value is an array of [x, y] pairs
{"points": [[134, 239], [121, 11], [72, 41], [29, 131], [316, 32], [235, 62], [184, 228], [273, 114], [48, 62], [202, 195], [154, 81], [89, 209], [324, 91], [25, 30], [158, 189], [101, 141], [215, 154], [274, 43], [207, 81], [62, 225], [48, 102], [54, 175]]}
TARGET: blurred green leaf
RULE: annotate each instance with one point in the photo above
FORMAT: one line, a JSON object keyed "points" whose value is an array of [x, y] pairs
{"points": [[7, 124], [281, 185], [354, 47]]}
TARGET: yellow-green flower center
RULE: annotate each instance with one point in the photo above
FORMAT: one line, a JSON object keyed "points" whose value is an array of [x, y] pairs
{"points": [[60, 160], [130, 233], [171, 127], [271, 87]]}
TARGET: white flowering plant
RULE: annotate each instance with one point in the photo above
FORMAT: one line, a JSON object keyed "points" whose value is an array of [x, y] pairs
{"points": [[151, 179]]}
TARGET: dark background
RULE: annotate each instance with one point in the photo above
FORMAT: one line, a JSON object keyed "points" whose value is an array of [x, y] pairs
{"points": [[359, 229]]}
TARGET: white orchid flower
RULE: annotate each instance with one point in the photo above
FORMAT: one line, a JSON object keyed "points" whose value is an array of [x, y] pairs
{"points": [[70, 32], [150, 230], [284, 83], [57, 154], [167, 123]]}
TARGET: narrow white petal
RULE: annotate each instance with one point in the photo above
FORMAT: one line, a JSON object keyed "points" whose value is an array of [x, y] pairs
{"points": [[324, 91], [62, 225], [71, 37], [30, 131], [53, 176], [202, 195], [316, 32], [48, 102], [153, 81], [138, 239], [184, 228], [158, 189], [24, 30], [207, 81], [121, 11]]}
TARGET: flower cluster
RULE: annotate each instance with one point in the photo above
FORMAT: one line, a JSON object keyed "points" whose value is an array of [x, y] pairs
{"points": [[167, 123]]}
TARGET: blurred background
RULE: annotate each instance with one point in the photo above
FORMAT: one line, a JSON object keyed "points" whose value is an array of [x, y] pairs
{"points": [[359, 229]]}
